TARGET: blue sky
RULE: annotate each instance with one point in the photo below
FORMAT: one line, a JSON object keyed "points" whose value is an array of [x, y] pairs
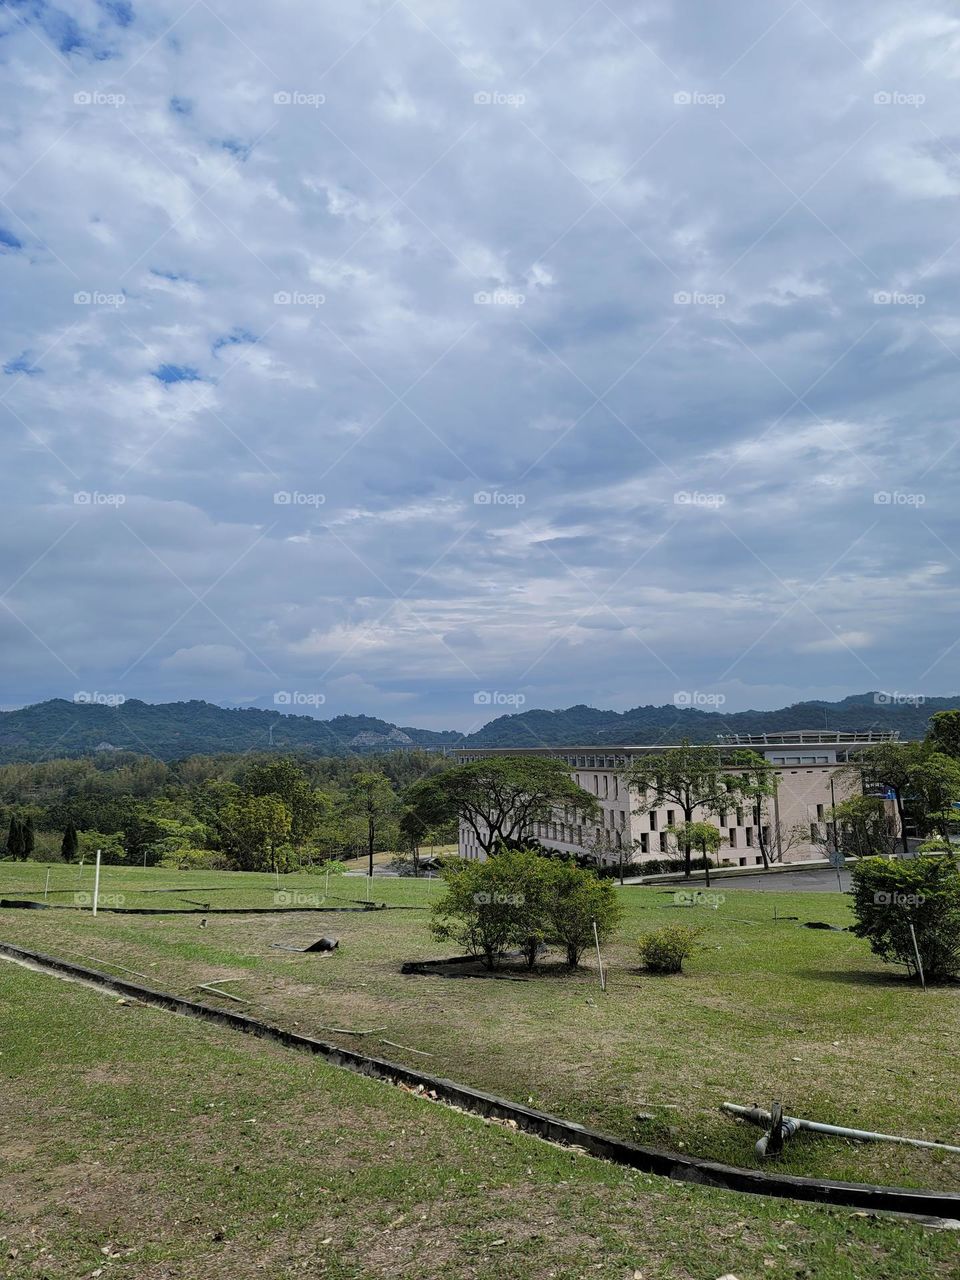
{"points": [[387, 353]]}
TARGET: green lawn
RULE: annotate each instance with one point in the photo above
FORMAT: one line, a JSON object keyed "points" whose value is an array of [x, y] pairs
{"points": [[137, 1145], [765, 1009]]}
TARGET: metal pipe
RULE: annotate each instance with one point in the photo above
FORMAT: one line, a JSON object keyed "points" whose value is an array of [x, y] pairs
{"points": [[756, 1115]]}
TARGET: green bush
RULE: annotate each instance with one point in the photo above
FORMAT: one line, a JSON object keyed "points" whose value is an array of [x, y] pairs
{"points": [[664, 950], [890, 895], [195, 860], [937, 845]]}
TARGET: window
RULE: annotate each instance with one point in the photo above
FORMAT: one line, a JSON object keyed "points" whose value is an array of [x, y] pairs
{"points": [[723, 817], [596, 784], [766, 836], [623, 818], [732, 837], [644, 842], [606, 785], [671, 817], [739, 816], [749, 835], [616, 787], [618, 840], [663, 842], [742, 861], [814, 832], [820, 814], [653, 819]]}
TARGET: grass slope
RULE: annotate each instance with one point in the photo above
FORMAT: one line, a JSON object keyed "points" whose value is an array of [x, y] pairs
{"points": [[765, 1010], [140, 1146]]}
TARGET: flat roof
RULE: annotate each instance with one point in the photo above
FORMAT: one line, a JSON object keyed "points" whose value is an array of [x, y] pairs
{"points": [[791, 738]]}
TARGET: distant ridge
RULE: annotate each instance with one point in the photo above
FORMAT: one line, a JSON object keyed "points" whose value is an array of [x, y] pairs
{"points": [[646, 726], [172, 730]]}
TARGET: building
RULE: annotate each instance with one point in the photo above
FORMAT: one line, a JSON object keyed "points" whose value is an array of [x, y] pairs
{"points": [[795, 818]]}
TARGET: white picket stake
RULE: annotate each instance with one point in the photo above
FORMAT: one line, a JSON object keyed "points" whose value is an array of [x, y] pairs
{"points": [[596, 938], [47, 885], [96, 884]]}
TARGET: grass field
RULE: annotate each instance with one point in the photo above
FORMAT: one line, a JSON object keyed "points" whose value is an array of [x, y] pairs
{"points": [[765, 1009], [137, 1145]]}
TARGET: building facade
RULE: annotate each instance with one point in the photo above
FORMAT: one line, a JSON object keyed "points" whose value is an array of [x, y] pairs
{"points": [[794, 819]]}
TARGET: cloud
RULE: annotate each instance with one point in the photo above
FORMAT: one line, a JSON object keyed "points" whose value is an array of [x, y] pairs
{"points": [[564, 354]]}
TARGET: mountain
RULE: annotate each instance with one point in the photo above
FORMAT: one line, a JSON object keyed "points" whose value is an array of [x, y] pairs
{"points": [[585, 726], [172, 730]]}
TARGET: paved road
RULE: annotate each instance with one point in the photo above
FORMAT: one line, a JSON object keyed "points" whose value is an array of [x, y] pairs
{"points": [[817, 880]]}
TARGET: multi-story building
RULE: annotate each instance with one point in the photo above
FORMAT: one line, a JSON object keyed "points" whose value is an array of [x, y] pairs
{"points": [[794, 819]]}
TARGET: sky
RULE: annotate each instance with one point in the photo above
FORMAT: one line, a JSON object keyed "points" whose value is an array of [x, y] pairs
{"points": [[436, 360]]}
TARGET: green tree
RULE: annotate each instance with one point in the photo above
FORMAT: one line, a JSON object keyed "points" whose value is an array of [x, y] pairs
{"points": [[255, 827], [576, 899], [756, 785], [861, 827], [500, 798], [491, 906], [890, 896], [702, 836], [689, 775], [15, 841], [372, 799], [923, 782], [29, 837], [69, 845], [285, 779], [943, 734]]}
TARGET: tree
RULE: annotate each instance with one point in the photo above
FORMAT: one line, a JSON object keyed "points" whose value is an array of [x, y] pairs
{"points": [[69, 845], [702, 836], [15, 839], [890, 896], [285, 779], [860, 827], [255, 826], [756, 785], [371, 798], [29, 837], [500, 798], [924, 783], [493, 905], [689, 775], [943, 734], [576, 899]]}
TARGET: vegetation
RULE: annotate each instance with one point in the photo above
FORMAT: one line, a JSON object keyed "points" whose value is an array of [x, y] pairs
{"points": [[689, 776], [292, 1167], [891, 897], [501, 798], [664, 950], [923, 782], [250, 813], [519, 899]]}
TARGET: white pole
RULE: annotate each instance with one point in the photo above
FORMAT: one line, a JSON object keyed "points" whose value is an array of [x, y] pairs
{"points": [[96, 884], [596, 938], [368, 888], [47, 885], [277, 870], [326, 882], [916, 952]]}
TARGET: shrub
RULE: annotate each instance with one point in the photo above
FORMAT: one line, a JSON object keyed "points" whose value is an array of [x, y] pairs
{"points": [[664, 950], [494, 905], [195, 860], [889, 896], [575, 900], [937, 845]]}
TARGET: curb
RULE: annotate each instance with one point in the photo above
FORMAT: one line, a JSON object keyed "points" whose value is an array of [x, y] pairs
{"points": [[669, 1164], [29, 905]]}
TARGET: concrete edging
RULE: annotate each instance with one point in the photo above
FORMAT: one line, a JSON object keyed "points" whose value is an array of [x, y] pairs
{"points": [[620, 1151]]}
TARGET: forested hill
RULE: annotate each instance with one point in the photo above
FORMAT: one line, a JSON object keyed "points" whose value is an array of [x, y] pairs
{"points": [[172, 730], [583, 726]]}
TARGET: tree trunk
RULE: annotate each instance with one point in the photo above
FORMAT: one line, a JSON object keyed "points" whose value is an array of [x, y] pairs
{"points": [[371, 838], [898, 800]]}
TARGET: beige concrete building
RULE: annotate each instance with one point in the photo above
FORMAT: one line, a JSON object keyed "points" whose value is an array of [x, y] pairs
{"points": [[808, 786]]}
